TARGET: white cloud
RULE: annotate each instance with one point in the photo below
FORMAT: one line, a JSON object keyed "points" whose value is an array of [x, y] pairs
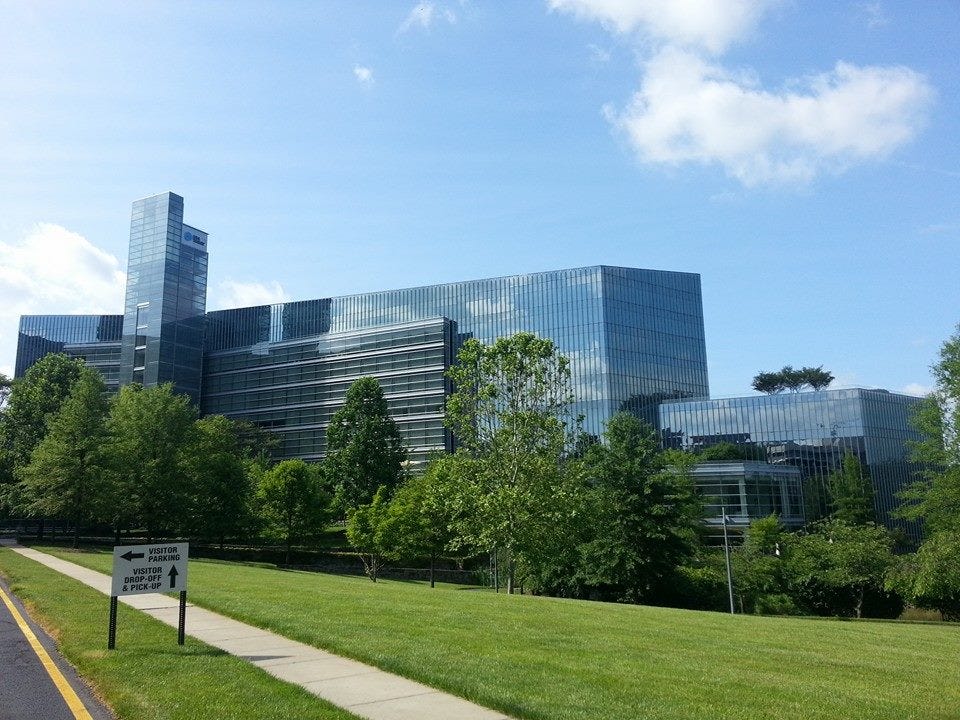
{"points": [[234, 294], [425, 15], [364, 75], [710, 25], [690, 110], [56, 271], [916, 389], [876, 17]]}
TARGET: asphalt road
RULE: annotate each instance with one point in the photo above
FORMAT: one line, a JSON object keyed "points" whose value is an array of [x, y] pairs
{"points": [[27, 691]]}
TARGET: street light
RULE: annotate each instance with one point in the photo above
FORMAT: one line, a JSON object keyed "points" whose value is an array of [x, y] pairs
{"points": [[726, 552]]}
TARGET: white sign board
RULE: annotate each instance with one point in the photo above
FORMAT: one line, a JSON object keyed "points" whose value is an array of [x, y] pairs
{"points": [[149, 568]]}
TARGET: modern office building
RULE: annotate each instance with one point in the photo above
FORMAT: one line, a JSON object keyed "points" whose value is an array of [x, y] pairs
{"points": [[92, 338], [811, 431], [166, 298], [748, 490], [634, 338]]}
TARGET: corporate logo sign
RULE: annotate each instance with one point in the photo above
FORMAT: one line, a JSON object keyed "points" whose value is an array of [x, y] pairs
{"points": [[192, 237]]}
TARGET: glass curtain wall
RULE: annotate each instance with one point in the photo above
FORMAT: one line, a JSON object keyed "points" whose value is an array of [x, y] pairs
{"points": [[812, 431], [93, 338]]}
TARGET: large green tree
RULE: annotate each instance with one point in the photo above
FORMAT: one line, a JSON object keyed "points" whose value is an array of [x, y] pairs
{"points": [[645, 513], [216, 461], [65, 475], [851, 492], [148, 431], [841, 569], [364, 447], [935, 497], [930, 578], [511, 414], [32, 403], [292, 503], [419, 519], [759, 570]]}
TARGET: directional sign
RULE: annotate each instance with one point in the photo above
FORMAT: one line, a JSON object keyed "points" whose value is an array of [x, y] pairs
{"points": [[149, 568]]}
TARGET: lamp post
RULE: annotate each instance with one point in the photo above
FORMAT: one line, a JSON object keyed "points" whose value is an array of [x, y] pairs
{"points": [[726, 552]]}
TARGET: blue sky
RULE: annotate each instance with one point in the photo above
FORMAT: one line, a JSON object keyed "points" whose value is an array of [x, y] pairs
{"points": [[803, 157]]}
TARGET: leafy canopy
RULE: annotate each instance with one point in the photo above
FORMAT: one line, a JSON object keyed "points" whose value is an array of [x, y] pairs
{"points": [[787, 378], [364, 447]]}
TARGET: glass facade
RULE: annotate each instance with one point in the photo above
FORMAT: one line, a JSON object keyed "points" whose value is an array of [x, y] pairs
{"points": [[93, 338], [292, 387], [747, 491], [812, 431], [163, 317], [634, 337]]}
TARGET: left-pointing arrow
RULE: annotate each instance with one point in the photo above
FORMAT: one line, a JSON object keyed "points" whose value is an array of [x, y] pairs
{"points": [[173, 577], [130, 555]]}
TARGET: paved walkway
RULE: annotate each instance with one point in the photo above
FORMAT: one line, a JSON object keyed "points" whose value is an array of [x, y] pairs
{"points": [[362, 689]]}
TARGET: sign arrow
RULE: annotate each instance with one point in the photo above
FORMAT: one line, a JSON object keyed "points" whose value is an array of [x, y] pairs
{"points": [[130, 555], [173, 577]]}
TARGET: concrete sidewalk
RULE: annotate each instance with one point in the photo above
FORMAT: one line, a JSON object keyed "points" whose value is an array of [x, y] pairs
{"points": [[362, 689]]}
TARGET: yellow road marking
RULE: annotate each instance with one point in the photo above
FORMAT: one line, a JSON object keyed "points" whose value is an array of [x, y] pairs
{"points": [[73, 702]]}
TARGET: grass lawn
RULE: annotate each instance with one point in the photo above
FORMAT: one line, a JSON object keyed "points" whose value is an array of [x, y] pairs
{"points": [[148, 676], [545, 658]]}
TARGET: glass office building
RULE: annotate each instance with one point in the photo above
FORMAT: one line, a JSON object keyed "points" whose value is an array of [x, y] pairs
{"points": [[811, 431], [635, 340], [294, 384], [747, 491], [92, 338], [163, 316], [633, 337]]}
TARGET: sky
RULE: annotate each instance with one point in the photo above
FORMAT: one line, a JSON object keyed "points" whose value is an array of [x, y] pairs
{"points": [[802, 157]]}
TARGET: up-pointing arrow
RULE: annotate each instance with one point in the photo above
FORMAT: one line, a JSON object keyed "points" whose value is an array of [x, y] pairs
{"points": [[130, 555], [173, 577]]}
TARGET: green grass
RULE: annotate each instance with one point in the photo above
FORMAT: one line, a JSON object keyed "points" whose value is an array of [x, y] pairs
{"points": [[148, 676], [545, 658]]}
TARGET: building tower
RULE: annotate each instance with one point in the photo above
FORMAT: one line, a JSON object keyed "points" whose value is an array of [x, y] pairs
{"points": [[163, 317]]}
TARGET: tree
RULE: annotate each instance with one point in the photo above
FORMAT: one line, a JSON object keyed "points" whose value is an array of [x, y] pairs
{"points": [[419, 519], [365, 532], [65, 475], [148, 430], [935, 497], [220, 488], [760, 578], [787, 378], [930, 578], [292, 503], [364, 447], [851, 492], [510, 411], [645, 513], [838, 569], [32, 403]]}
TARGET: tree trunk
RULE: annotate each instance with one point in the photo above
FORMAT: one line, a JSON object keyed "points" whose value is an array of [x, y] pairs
{"points": [[76, 535], [510, 588], [433, 559], [286, 559], [116, 538], [40, 529], [859, 607]]}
